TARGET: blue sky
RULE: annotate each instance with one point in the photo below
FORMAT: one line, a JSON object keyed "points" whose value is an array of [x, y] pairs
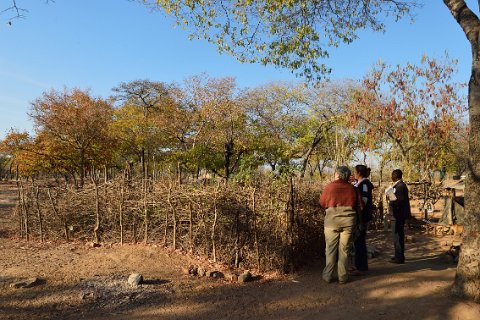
{"points": [[95, 45]]}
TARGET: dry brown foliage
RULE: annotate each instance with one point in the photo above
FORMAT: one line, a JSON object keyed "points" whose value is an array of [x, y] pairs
{"points": [[274, 225]]}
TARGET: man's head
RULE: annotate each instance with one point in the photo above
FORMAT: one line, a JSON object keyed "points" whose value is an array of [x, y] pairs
{"points": [[397, 175], [342, 173]]}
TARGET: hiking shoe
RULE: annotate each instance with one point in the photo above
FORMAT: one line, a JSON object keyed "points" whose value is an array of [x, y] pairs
{"points": [[327, 280]]}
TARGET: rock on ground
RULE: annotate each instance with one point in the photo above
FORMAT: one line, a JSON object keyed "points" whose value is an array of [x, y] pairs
{"points": [[28, 283], [135, 279]]}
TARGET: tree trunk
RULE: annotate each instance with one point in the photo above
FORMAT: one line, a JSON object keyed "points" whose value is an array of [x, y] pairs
{"points": [[214, 226], [165, 230], [105, 174], [25, 212], [190, 228], [120, 214], [146, 218], [39, 212], [255, 230], [228, 158], [179, 173], [62, 218], [154, 170], [174, 217], [82, 168], [467, 279], [97, 210], [309, 152], [142, 162]]}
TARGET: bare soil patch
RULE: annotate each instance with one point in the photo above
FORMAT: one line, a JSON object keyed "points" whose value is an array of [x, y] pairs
{"points": [[91, 283]]}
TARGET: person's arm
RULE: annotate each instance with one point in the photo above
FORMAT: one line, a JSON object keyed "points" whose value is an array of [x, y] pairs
{"points": [[360, 202], [324, 197], [400, 194], [365, 192], [359, 208], [398, 206]]}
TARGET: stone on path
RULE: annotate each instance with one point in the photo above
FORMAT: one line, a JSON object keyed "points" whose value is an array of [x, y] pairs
{"points": [[135, 279], [87, 295], [232, 277], [201, 272], [410, 239], [193, 271], [92, 244], [372, 251], [28, 283], [245, 277]]}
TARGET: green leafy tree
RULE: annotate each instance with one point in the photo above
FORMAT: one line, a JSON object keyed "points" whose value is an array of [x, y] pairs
{"points": [[291, 34], [223, 138], [140, 118], [324, 131], [275, 111]]}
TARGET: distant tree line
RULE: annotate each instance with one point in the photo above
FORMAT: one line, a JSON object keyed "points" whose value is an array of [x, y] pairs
{"points": [[411, 116]]}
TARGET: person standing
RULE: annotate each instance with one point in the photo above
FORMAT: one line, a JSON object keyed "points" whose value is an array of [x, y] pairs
{"points": [[340, 199], [399, 209], [365, 187]]}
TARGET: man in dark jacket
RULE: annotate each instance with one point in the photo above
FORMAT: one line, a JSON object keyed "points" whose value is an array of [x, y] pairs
{"points": [[399, 209], [340, 199]]}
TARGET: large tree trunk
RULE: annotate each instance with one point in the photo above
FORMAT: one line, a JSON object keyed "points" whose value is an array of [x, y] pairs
{"points": [[306, 158], [467, 279]]}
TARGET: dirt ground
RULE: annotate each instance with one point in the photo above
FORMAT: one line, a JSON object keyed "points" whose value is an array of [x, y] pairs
{"points": [[80, 282]]}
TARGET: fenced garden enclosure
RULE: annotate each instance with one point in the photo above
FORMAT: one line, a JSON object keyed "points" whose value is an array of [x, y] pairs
{"points": [[264, 153], [269, 225]]}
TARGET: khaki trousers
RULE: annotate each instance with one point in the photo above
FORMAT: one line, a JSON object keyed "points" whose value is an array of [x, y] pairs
{"points": [[336, 252]]}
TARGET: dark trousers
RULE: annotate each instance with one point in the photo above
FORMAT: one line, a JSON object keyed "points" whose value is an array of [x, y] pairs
{"points": [[398, 230], [360, 244]]}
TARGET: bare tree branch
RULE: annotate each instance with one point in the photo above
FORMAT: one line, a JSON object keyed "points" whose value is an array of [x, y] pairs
{"points": [[19, 12]]}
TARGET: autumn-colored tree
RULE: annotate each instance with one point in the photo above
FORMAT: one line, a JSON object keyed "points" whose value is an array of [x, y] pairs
{"points": [[414, 108], [73, 127], [24, 154]]}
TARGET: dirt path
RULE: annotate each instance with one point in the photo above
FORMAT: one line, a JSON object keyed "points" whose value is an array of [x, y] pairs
{"points": [[89, 283]]}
